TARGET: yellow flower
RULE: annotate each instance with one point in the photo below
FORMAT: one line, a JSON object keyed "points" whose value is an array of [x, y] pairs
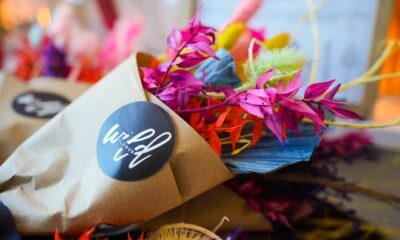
{"points": [[230, 35], [278, 41]]}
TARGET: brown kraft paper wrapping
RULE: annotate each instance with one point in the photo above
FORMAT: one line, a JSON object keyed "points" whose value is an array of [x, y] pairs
{"points": [[54, 180], [14, 127], [207, 210]]}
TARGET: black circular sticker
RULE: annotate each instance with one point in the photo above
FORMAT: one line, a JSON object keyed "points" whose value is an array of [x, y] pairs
{"points": [[135, 141], [39, 104]]}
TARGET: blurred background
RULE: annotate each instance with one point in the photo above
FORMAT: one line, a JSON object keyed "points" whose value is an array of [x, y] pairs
{"points": [[345, 39], [350, 34]]}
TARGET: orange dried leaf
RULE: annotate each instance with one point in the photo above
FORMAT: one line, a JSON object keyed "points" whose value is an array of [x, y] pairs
{"points": [[141, 236], [129, 237], [194, 118], [284, 133], [234, 135], [57, 235], [201, 126], [215, 143], [221, 118], [236, 132], [257, 132], [86, 235]]}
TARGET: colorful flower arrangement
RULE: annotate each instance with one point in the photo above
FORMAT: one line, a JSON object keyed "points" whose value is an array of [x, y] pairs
{"points": [[65, 49], [200, 84]]}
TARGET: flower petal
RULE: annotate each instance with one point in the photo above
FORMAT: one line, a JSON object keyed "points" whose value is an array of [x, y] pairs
{"points": [[344, 113], [316, 90], [274, 124], [291, 88], [189, 60], [302, 107], [203, 48], [330, 103], [174, 39], [252, 109], [331, 94], [263, 79]]}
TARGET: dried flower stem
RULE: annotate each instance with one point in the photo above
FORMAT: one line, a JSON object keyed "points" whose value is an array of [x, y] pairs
{"points": [[226, 140], [339, 185], [203, 109], [250, 53], [368, 80], [223, 220], [250, 50], [366, 77], [209, 107], [305, 18], [330, 223], [246, 143], [361, 126], [173, 60], [385, 54], [316, 40]]}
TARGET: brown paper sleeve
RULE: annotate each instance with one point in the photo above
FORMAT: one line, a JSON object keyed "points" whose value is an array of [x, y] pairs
{"points": [[209, 208], [53, 179], [14, 127]]}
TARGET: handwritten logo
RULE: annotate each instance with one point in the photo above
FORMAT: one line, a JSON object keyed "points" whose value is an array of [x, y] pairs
{"points": [[135, 141], [125, 140], [39, 104]]}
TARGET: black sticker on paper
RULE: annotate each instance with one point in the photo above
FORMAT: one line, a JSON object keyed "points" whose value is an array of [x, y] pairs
{"points": [[39, 104], [135, 141]]}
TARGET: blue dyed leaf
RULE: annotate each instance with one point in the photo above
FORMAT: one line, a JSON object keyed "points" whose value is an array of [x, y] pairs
{"points": [[269, 154], [220, 72]]}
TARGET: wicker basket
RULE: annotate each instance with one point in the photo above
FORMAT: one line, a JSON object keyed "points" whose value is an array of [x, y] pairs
{"points": [[182, 231]]}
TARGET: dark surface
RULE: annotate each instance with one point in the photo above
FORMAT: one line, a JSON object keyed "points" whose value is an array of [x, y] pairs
{"points": [[330, 222]]}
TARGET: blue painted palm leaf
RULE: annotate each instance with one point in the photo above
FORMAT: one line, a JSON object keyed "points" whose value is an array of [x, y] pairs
{"points": [[269, 154]]}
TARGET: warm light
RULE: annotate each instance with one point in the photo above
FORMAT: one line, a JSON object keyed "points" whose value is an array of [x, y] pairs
{"points": [[43, 16]]}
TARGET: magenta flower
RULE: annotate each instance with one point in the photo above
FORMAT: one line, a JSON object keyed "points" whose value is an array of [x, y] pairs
{"points": [[182, 85], [196, 40], [176, 87], [279, 107], [347, 146], [151, 78], [314, 94], [257, 102], [262, 102], [315, 90]]}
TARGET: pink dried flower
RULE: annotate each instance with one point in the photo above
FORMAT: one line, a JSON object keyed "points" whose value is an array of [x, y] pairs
{"points": [[176, 87], [278, 107], [347, 145]]}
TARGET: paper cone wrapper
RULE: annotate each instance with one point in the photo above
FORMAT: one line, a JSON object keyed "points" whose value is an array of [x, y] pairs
{"points": [[54, 179], [209, 208], [15, 127]]}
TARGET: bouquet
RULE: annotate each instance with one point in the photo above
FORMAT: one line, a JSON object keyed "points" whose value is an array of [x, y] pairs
{"points": [[25, 107], [66, 49], [233, 113], [154, 133]]}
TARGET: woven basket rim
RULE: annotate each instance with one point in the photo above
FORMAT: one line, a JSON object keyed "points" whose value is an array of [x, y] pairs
{"points": [[192, 227]]}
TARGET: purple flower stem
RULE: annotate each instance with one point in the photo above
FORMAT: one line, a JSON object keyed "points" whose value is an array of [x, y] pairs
{"points": [[173, 60], [207, 108]]}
